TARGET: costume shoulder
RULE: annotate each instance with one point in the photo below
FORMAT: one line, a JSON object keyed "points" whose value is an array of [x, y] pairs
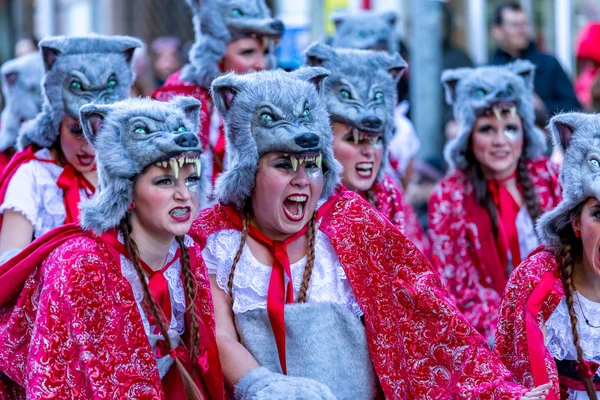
{"points": [[209, 221], [451, 188], [175, 86], [512, 335], [544, 174]]}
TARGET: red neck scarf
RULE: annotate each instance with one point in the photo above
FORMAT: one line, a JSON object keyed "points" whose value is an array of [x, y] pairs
{"points": [[279, 293], [71, 181]]}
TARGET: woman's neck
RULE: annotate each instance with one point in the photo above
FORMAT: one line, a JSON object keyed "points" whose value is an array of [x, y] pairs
{"points": [[587, 282], [91, 177], [152, 249]]}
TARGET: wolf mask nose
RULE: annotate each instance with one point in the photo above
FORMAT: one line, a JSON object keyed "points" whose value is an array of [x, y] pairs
{"points": [[277, 26], [371, 122], [187, 140], [307, 140]]}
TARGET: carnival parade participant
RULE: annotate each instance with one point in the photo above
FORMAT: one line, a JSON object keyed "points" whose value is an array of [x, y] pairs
{"points": [[317, 295], [549, 327], [360, 97], [238, 38], [482, 214], [85, 309], [43, 184], [21, 78]]}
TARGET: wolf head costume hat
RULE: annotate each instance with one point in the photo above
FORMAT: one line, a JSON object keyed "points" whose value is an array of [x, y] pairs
{"points": [[219, 22], [474, 91], [272, 111], [21, 89], [366, 30], [128, 136], [579, 172], [361, 88], [78, 71]]}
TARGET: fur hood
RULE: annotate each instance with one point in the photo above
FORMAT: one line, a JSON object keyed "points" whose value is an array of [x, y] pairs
{"points": [[367, 30], [272, 111], [130, 135], [78, 71], [219, 22], [472, 90]]}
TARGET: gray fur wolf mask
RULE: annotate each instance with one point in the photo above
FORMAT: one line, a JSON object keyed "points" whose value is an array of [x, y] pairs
{"points": [[361, 88], [366, 30], [219, 22], [579, 172], [297, 124], [79, 70], [471, 91], [128, 136], [21, 89]]}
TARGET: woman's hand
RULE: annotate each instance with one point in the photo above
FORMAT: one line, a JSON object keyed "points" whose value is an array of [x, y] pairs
{"points": [[539, 392]]}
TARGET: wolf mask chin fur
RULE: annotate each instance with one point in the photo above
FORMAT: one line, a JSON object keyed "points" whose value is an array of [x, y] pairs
{"points": [[471, 90], [219, 22], [128, 136], [21, 89], [297, 123], [78, 71], [366, 30], [361, 88], [579, 172]]}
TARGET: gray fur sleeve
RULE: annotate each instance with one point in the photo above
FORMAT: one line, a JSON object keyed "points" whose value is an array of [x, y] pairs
{"points": [[262, 384]]}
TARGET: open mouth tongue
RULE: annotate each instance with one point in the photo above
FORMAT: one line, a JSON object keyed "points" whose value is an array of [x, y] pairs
{"points": [[294, 208]]}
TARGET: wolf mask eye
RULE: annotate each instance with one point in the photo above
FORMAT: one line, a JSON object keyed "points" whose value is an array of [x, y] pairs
{"points": [[236, 12], [141, 130], [76, 85], [181, 129], [266, 117], [480, 92], [306, 112], [595, 162], [345, 94], [378, 95], [112, 82]]}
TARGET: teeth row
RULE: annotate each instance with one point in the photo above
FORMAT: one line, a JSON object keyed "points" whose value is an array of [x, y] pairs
{"points": [[498, 112], [298, 161], [175, 164], [179, 212], [359, 136], [298, 199]]}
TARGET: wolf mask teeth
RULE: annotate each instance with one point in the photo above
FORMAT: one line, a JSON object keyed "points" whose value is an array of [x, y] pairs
{"points": [[174, 166], [294, 161]]}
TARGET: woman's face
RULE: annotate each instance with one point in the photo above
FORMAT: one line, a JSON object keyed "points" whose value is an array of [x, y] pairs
{"points": [[588, 225], [497, 144], [75, 147], [245, 55], [283, 200], [360, 156], [165, 206]]}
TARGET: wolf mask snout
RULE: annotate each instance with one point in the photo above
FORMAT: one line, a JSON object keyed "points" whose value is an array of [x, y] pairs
{"points": [[277, 26], [186, 140], [371, 122], [307, 140]]}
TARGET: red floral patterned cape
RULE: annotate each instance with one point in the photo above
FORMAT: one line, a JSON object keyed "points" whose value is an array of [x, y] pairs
{"points": [[74, 330], [456, 242], [532, 294], [391, 201], [421, 346], [174, 86]]}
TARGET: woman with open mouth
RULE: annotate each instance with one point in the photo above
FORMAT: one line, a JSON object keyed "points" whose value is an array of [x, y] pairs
{"points": [[482, 214], [316, 294], [55, 170], [120, 303], [549, 327], [362, 119]]}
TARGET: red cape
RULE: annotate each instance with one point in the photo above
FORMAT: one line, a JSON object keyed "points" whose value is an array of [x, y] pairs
{"points": [[74, 330], [421, 346], [457, 243]]}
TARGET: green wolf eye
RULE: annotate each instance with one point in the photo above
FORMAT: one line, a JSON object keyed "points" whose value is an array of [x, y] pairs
{"points": [[306, 112], [266, 117], [112, 82], [182, 129], [236, 12], [345, 94], [76, 85], [378, 95], [480, 92], [141, 130]]}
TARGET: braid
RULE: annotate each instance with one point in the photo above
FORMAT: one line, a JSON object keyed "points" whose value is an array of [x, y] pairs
{"points": [[531, 201], [310, 260], [482, 193], [238, 255], [190, 291], [148, 305]]}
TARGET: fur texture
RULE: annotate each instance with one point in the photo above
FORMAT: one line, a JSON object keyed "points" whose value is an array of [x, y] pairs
{"points": [[365, 75], [325, 343], [218, 22], [21, 89], [285, 96], [78, 70], [366, 30], [472, 90], [122, 153], [579, 172]]}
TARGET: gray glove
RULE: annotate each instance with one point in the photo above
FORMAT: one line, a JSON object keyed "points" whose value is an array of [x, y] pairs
{"points": [[262, 384]]}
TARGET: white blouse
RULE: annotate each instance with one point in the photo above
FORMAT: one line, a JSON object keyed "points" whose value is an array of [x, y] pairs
{"points": [[328, 282], [559, 338], [33, 192], [178, 301], [528, 240]]}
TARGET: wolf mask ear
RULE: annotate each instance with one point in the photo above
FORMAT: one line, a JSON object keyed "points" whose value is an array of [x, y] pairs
{"points": [[91, 117], [397, 66], [338, 18], [562, 127], [49, 55], [525, 70], [450, 79], [318, 53], [224, 89], [11, 78], [191, 108], [314, 75], [390, 17]]}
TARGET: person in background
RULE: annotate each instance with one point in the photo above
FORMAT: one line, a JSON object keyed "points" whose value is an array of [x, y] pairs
{"points": [[553, 91], [167, 58], [26, 45], [588, 61]]}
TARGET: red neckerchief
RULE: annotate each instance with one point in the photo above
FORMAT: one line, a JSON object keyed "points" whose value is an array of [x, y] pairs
{"points": [[158, 286], [71, 181], [507, 210], [218, 153], [278, 295]]}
